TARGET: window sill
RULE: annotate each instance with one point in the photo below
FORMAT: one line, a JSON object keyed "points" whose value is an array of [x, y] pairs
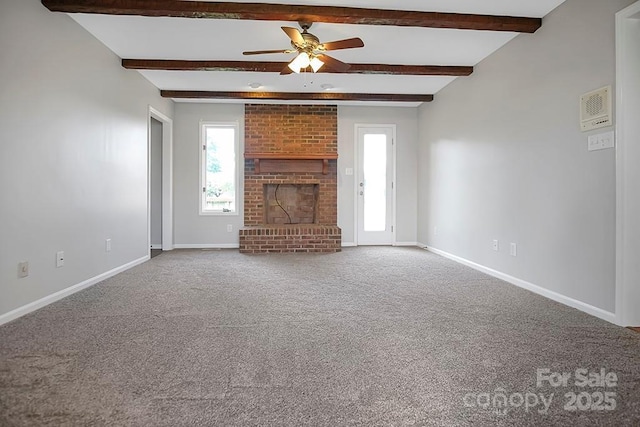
{"points": [[202, 213]]}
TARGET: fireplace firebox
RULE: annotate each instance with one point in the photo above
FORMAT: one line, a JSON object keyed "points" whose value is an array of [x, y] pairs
{"points": [[290, 203]]}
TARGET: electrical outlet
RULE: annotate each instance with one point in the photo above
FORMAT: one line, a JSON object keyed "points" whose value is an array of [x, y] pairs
{"points": [[59, 259], [107, 245], [513, 249], [435, 231], [23, 269], [229, 228], [495, 245]]}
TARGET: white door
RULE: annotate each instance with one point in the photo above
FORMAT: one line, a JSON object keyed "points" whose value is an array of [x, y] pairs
{"points": [[375, 185]]}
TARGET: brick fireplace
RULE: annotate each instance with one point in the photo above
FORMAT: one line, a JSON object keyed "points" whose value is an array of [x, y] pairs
{"points": [[290, 179]]}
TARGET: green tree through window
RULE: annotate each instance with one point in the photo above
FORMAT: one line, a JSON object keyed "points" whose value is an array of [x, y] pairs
{"points": [[219, 168]]}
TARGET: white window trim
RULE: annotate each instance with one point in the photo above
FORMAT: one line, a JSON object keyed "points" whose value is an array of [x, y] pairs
{"points": [[202, 171]]}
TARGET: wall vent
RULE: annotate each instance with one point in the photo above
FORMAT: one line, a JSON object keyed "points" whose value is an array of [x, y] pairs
{"points": [[595, 109]]}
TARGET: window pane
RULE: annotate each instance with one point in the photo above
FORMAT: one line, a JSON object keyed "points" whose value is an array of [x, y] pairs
{"points": [[375, 182], [220, 169]]}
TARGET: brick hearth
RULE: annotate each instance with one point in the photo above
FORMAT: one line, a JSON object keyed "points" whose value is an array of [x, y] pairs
{"points": [[290, 238], [300, 145]]}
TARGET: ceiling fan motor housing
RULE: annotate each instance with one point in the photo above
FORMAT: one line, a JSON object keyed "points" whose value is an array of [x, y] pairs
{"points": [[311, 42]]}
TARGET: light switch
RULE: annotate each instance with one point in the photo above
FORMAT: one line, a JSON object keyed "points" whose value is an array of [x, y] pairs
{"points": [[348, 171], [602, 141], [607, 139]]}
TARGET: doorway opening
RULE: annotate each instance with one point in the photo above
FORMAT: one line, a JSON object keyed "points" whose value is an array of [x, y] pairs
{"points": [[160, 181], [155, 180]]}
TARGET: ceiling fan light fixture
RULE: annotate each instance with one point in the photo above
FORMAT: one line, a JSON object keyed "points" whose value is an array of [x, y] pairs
{"points": [[316, 64], [300, 62]]}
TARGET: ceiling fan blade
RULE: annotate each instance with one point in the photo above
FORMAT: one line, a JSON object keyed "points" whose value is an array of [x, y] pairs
{"points": [[260, 52], [334, 64], [343, 44], [294, 35], [286, 70]]}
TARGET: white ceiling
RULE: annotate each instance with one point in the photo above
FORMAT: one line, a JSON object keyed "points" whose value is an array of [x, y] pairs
{"points": [[137, 37]]}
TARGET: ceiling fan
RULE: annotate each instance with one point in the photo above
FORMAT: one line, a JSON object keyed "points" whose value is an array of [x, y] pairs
{"points": [[310, 52]]}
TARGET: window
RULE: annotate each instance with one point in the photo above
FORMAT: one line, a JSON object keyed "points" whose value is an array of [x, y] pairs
{"points": [[219, 168]]}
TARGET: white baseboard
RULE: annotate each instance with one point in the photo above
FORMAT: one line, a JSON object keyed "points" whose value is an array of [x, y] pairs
{"points": [[352, 244], [33, 306], [405, 244], [157, 246], [579, 305], [206, 246]]}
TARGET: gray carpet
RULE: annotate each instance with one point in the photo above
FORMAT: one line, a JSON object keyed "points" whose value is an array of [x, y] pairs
{"points": [[370, 336]]}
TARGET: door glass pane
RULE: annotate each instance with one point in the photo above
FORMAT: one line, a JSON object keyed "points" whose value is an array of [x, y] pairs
{"points": [[375, 182]]}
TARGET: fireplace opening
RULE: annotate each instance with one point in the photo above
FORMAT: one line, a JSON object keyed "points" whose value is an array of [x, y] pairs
{"points": [[291, 203]]}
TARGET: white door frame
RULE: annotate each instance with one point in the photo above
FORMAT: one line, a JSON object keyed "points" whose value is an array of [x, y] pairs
{"points": [[167, 179], [627, 223], [356, 174]]}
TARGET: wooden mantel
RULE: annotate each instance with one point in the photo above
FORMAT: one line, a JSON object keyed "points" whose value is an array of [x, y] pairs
{"points": [[283, 162]]}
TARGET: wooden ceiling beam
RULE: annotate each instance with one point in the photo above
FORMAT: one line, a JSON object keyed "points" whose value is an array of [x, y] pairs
{"points": [[276, 67], [296, 13], [297, 96]]}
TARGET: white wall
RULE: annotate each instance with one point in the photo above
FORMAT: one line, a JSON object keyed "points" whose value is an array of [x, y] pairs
{"points": [[502, 157], [194, 230], [406, 121], [190, 228], [73, 155]]}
